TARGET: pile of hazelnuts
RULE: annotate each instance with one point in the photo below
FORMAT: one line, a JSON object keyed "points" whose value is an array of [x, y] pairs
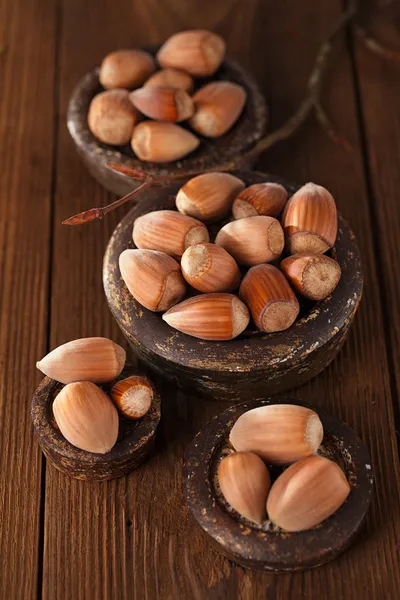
{"points": [[234, 275], [142, 105]]}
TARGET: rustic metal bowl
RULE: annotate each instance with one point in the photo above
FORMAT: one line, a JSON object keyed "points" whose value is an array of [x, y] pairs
{"points": [[249, 128], [267, 547], [135, 438], [255, 364]]}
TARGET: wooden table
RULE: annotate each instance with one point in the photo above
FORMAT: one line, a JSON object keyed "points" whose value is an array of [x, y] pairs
{"points": [[134, 538]]}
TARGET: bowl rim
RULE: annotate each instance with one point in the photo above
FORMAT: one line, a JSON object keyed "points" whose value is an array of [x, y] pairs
{"points": [[276, 550], [241, 355], [89, 146]]}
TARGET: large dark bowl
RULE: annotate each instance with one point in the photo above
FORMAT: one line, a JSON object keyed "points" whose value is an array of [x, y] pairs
{"points": [[255, 364], [267, 547], [211, 153]]}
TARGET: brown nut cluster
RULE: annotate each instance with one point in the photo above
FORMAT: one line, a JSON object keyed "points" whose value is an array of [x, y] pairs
{"points": [[306, 493], [86, 416], [135, 89], [174, 256]]}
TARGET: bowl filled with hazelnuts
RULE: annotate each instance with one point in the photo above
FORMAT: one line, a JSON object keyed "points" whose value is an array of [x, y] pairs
{"points": [[174, 110], [277, 486], [235, 286], [94, 416]]}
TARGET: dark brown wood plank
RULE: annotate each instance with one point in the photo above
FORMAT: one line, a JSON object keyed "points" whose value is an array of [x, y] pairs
{"points": [[134, 538], [379, 81], [27, 33], [356, 386]]}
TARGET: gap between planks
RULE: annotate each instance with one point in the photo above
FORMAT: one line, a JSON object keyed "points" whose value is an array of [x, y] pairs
{"points": [[53, 180]]}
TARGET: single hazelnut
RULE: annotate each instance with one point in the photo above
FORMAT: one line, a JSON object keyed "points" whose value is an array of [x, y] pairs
{"points": [[245, 482], [163, 103], [112, 117], [314, 276], [171, 78], [168, 231], [270, 299], [153, 278], [209, 316], [307, 493], [126, 69], [208, 196], [279, 433], [94, 359], [133, 396], [218, 105], [210, 268], [86, 417], [253, 240], [198, 52], [159, 142], [260, 199], [310, 220]]}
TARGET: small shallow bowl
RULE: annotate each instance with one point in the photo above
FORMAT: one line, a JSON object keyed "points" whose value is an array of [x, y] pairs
{"points": [[267, 547], [249, 128], [255, 364], [135, 438]]}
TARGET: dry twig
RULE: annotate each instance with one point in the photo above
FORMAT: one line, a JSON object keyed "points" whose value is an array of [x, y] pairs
{"points": [[374, 46], [329, 128], [99, 213]]}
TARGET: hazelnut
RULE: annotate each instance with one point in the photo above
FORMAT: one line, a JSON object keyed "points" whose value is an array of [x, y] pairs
{"points": [[126, 69], [112, 117], [218, 105], [307, 493], [198, 52], [162, 142], [94, 359], [209, 316]]}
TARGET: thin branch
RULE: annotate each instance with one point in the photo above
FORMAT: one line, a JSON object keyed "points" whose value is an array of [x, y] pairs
{"points": [[137, 174], [374, 46], [140, 175], [329, 128], [98, 213], [290, 127]]}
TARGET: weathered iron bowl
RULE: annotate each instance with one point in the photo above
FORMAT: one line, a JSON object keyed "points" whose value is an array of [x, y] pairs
{"points": [[135, 438], [255, 364], [267, 547], [211, 153]]}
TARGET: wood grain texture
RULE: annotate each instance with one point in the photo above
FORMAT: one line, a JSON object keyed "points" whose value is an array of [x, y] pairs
{"points": [[356, 387], [134, 538], [26, 139], [379, 82]]}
